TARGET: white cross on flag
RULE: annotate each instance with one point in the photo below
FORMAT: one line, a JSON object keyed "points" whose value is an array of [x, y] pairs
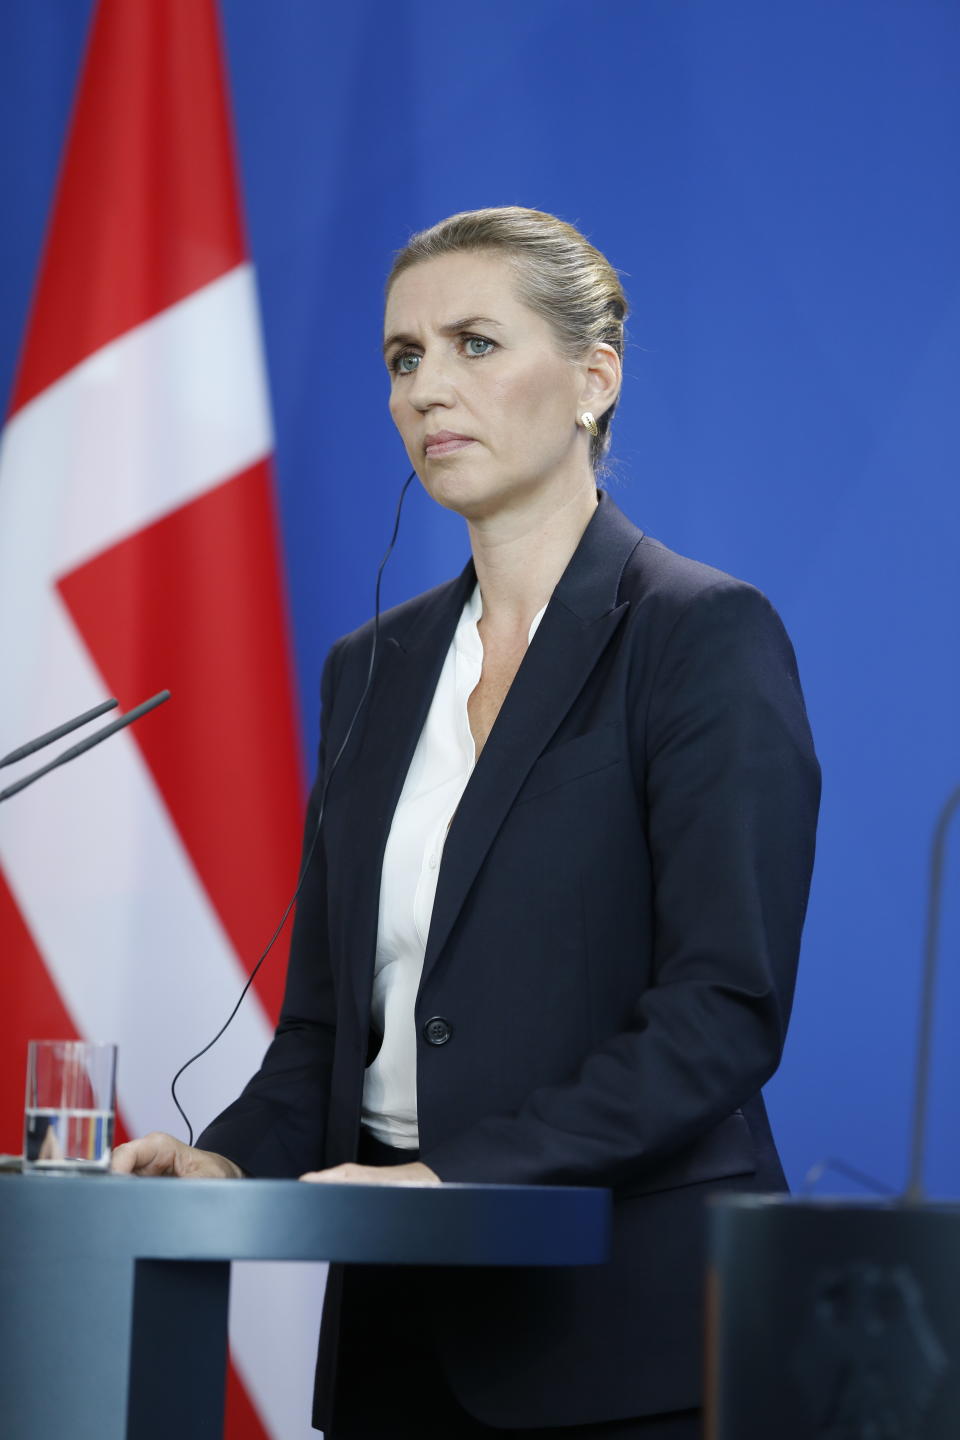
{"points": [[139, 550]]}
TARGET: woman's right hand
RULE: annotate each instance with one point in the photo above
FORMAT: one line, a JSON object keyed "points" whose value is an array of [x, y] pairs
{"points": [[162, 1154]]}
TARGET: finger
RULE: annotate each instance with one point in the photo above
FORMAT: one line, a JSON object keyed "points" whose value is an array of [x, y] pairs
{"points": [[337, 1174], [124, 1158], [136, 1157], [152, 1154], [351, 1174]]}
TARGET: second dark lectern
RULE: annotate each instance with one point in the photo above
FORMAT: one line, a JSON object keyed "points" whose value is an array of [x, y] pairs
{"points": [[832, 1320], [113, 1291]]}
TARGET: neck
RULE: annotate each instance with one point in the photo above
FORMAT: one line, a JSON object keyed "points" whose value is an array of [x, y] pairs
{"points": [[520, 556]]}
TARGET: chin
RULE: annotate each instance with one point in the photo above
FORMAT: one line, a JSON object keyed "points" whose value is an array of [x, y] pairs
{"points": [[460, 501], [470, 492], [464, 494]]}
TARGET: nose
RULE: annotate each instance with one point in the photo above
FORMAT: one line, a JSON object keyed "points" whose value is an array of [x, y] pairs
{"points": [[430, 384]]}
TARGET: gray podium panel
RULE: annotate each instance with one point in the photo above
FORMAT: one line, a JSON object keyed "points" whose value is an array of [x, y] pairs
{"points": [[833, 1319], [114, 1290]]}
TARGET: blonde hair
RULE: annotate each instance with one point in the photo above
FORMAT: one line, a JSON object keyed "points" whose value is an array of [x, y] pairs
{"points": [[559, 274]]}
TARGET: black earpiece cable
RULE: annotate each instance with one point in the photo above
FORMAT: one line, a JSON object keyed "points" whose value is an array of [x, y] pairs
{"points": [[316, 831]]}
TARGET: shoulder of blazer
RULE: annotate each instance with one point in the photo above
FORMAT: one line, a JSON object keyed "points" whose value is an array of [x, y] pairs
{"points": [[656, 572], [406, 624], [616, 563]]}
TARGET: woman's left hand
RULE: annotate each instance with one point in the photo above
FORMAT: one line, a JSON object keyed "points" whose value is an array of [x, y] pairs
{"points": [[412, 1174]]}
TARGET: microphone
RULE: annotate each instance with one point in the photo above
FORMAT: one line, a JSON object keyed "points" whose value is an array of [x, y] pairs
{"points": [[58, 733], [914, 1193], [83, 745]]}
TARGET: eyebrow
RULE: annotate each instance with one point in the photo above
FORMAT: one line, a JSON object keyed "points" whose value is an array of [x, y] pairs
{"points": [[454, 327]]}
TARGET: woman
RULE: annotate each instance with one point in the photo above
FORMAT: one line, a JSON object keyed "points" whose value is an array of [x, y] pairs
{"points": [[606, 746]]}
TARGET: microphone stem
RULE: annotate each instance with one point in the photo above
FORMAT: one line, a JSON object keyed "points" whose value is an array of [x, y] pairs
{"points": [[914, 1193]]}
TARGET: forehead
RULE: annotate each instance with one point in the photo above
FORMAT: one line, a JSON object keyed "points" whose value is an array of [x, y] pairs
{"points": [[433, 292]]}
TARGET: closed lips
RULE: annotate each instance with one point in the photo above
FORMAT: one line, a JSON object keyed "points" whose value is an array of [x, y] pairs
{"points": [[445, 439]]}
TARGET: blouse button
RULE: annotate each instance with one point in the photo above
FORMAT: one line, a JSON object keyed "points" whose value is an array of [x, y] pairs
{"points": [[433, 862]]}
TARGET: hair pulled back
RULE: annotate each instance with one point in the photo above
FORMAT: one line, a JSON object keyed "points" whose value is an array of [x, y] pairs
{"points": [[559, 274]]}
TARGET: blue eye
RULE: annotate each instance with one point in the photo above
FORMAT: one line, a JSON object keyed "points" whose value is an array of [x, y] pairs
{"points": [[407, 362]]}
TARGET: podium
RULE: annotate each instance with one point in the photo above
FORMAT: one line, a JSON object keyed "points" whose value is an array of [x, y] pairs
{"points": [[829, 1318], [114, 1290]]}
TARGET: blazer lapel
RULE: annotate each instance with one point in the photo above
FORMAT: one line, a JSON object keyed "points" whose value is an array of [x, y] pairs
{"points": [[579, 622], [407, 670]]}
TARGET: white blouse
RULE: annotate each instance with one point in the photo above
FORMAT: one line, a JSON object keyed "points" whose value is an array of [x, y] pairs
{"points": [[441, 766]]}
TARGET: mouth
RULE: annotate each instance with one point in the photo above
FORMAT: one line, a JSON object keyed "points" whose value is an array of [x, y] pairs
{"points": [[444, 442]]}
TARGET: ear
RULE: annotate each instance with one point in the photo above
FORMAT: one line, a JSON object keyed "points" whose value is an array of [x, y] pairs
{"points": [[602, 377]]}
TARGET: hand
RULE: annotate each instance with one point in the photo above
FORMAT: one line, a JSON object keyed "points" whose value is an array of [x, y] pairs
{"points": [[414, 1173], [161, 1154]]}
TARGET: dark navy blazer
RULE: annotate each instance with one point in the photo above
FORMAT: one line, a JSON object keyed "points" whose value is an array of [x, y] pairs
{"points": [[612, 956]]}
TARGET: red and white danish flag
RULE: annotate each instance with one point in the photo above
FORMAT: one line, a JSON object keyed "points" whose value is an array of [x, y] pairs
{"points": [[139, 550]]}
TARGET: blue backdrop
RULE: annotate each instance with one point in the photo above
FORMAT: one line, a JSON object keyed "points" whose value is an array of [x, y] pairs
{"points": [[778, 183]]}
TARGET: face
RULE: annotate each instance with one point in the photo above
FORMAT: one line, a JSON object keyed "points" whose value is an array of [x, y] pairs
{"points": [[486, 404]]}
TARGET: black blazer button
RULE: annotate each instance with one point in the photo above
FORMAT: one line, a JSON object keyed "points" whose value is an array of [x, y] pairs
{"points": [[437, 1031]]}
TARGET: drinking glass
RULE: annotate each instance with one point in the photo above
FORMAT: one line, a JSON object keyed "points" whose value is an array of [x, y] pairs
{"points": [[70, 1107]]}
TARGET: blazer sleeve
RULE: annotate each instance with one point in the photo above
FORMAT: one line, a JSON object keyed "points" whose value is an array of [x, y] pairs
{"points": [[725, 764], [276, 1127]]}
